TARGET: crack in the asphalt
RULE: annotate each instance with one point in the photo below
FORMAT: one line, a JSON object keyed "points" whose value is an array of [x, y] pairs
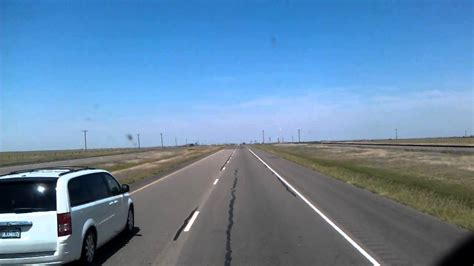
{"points": [[222, 167], [286, 187], [228, 253], [184, 224]]}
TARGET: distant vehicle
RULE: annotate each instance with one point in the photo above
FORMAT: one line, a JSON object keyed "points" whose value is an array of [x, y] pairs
{"points": [[60, 215]]}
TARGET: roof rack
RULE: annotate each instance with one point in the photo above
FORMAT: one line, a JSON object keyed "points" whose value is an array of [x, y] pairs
{"points": [[70, 169], [77, 169]]}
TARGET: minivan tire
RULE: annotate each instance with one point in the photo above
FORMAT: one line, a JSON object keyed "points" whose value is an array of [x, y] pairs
{"points": [[130, 225], [89, 248]]}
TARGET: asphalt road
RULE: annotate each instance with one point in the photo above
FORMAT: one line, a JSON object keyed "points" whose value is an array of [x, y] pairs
{"points": [[263, 210]]}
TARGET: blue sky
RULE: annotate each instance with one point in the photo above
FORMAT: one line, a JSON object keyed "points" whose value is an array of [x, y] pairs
{"points": [[218, 71]]}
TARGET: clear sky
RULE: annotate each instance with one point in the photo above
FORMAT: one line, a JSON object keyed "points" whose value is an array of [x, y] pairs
{"points": [[221, 71]]}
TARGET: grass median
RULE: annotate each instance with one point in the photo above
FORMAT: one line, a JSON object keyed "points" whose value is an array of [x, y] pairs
{"points": [[130, 171], [436, 182], [31, 157]]}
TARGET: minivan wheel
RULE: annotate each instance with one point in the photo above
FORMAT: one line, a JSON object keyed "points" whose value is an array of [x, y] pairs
{"points": [[130, 221], [88, 248]]}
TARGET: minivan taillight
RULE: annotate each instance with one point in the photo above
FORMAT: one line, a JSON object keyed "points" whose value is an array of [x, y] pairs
{"points": [[64, 224]]}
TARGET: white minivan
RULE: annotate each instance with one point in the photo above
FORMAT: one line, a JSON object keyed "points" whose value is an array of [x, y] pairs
{"points": [[58, 215]]}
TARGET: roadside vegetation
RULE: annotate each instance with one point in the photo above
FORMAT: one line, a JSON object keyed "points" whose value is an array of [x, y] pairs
{"points": [[30, 157], [464, 141], [438, 182], [130, 170]]}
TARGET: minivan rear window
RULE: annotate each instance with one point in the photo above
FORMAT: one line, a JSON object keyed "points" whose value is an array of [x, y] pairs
{"points": [[27, 195]]}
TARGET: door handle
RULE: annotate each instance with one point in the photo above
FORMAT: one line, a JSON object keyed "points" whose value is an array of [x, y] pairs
{"points": [[113, 202]]}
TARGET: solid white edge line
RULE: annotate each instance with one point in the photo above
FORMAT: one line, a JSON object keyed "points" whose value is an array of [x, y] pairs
{"points": [[215, 182], [331, 223], [190, 223], [165, 177]]}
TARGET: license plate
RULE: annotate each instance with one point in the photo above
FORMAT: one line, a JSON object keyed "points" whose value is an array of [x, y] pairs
{"points": [[14, 233]]}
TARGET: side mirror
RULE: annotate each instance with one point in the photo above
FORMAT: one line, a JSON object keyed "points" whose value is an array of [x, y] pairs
{"points": [[125, 188]]}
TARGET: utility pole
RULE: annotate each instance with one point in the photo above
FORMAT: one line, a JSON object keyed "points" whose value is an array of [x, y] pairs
{"points": [[85, 139], [269, 140], [263, 136], [396, 133], [292, 139], [175, 142], [138, 137], [161, 134], [465, 133], [186, 142], [299, 135]]}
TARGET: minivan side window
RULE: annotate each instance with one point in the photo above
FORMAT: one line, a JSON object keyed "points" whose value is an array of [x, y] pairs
{"points": [[112, 184], [87, 188], [78, 193], [97, 187]]}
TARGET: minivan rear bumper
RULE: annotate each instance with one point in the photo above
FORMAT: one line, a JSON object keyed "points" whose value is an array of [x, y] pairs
{"points": [[62, 254]]}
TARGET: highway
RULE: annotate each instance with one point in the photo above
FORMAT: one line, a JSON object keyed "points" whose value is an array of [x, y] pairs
{"points": [[243, 206]]}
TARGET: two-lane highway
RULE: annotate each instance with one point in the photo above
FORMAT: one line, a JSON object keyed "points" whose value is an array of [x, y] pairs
{"points": [[160, 210], [253, 218], [247, 207]]}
